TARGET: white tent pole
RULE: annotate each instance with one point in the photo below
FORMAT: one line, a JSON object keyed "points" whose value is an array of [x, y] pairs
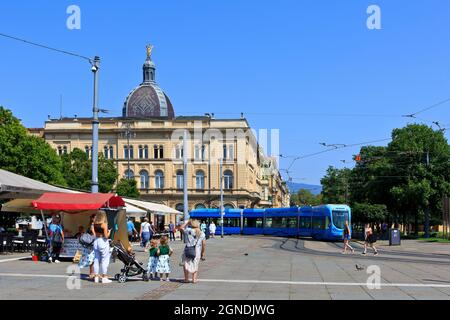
{"points": [[44, 222]]}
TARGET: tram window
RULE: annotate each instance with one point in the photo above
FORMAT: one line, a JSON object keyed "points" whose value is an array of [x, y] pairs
{"points": [[268, 223], [231, 222], [305, 222], [339, 218], [279, 222], [318, 223], [327, 222], [292, 222], [253, 222]]}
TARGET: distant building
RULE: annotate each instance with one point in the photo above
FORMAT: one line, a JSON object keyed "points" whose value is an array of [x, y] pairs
{"points": [[145, 143]]}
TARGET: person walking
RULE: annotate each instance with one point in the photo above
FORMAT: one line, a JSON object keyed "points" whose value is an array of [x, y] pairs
{"points": [[56, 238], [101, 247], [194, 250], [171, 231], [164, 253], [145, 233], [212, 229], [369, 239], [152, 230], [131, 230], [347, 237], [203, 227]]}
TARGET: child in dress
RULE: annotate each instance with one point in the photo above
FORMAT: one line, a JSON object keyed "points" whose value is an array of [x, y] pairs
{"points": [[153, 258], [164, 253]]}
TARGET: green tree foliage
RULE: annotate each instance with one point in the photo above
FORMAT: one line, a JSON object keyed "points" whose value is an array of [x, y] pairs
{"points": [[368, 213], [127, 188], [27, 155], [77, 170], [335, 185], [305, 197]]}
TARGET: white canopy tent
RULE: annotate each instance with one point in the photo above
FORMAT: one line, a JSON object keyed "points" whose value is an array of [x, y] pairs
{"points": [[156, 208]]}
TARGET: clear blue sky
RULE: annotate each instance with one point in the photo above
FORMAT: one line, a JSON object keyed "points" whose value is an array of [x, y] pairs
{"points": [[272, 60]]}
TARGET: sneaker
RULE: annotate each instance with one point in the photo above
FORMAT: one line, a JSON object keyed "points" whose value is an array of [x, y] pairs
{"points": [[106, 280], [376, 253], [363, 253], [57, 261], [50, 260], [96, 279], [168, 280]]}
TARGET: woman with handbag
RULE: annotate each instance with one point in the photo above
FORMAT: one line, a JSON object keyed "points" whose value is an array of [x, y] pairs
{"points": [[87, 241], [194, 250], [370, 239]]}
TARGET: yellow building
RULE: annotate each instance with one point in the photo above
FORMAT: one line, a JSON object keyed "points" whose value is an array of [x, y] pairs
{"points": [[147, 141]]}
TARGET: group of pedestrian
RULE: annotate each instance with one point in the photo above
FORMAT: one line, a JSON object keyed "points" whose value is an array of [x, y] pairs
{"points": [[194, 252], [369, 239]]}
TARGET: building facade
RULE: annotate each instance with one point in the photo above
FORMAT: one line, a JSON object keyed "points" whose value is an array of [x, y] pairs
{"points": [[146, 144]]}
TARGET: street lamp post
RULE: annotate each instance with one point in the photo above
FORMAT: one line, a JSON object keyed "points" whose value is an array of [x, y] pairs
{"points": [[185, 177], [221, 197], [95, 122]]}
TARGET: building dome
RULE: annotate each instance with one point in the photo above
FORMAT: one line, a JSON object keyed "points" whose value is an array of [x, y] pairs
{"points": [[148, 100]]}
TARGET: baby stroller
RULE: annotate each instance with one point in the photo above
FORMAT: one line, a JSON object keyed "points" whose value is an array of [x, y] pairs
{"points": [[131, 267]]}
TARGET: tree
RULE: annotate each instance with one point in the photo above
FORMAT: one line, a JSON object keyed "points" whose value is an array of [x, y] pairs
{"points": [[127, 188], [335, 185], [305, 197], [27, 155], [368, 213], [77, 169], [419, 157]]}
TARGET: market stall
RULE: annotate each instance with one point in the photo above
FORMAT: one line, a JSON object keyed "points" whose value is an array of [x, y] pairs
{"points": [[75, 210]]}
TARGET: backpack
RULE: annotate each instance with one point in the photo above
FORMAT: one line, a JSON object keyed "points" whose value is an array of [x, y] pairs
{"points": [[86, 240], [57, 236]]}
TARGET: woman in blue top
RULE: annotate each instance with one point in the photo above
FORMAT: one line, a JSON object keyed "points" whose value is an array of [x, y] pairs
{"points": [[56, 234]]}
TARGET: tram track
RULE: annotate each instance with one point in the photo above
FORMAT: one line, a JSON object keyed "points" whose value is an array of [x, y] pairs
{"points": [[297, 245]]}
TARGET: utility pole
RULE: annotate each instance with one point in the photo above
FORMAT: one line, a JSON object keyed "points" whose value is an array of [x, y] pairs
{"points": [[427, 209], [95, 122], [221, 196], [185, 177]]}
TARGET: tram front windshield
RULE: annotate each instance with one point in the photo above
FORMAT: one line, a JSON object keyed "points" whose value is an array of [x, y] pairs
{"points": [[339, 218]]}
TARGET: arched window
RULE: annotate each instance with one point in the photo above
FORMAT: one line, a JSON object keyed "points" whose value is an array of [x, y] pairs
{"points": [[200, 206], [105, 152], [111, 152], [159, 179], [200, 180], [128, 153], [228, 180], [161, 152], [60, 151], [180, 179], [145, 152], [179, 207], [144, 179], [228, 206], [128, 174], [141, 152]]}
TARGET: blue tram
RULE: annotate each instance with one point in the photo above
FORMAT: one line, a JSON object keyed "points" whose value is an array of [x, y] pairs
{"points": [[325, 222]]}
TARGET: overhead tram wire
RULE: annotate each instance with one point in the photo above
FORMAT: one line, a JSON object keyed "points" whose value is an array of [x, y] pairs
{"points": [[47, 47], [333, 149]]}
